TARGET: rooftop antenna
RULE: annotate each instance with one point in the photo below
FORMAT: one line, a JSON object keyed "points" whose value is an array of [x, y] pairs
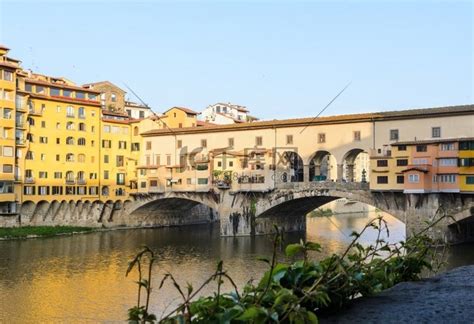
{"points": [[143, 103], [330, 102]]}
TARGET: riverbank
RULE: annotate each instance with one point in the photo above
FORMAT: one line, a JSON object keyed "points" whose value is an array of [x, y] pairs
{"points": [[9, 233], [445, 298]]}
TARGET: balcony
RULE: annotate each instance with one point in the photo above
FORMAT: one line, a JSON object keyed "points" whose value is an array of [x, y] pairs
{"points": [[30, 180], [70, 181], [380, 153], [23, 107], [70, 115], [20, 124], [20, 141], [81, 181], [81, 116]]}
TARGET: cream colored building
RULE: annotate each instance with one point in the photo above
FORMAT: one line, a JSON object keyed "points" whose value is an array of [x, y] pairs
{"points": [[292, 150]]}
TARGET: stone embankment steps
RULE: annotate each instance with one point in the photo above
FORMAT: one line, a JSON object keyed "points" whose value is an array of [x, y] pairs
{"points": [[445, 298]]}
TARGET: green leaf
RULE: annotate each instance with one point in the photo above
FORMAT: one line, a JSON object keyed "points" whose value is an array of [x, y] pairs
{"points": [[250, 313], [313, 246], [293, 249]]}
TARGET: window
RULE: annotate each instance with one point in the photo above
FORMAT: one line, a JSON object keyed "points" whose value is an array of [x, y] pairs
{"points": [[7, 168], [447, 178], [148, 145], [67, 93], [180, 144], [436, 132], [70, 111], [106, 174], [56, 190], [258, 140], [70, 190], [122, 145], [81, 112], [43, 140], [466, 162], [120, 178], [7, 113], [113, 97], [106, 143], [141, 114], [43, 175], [58, 175], [8, 151], [470, 180], [58, 158], [42, 157], [70, 126], [180, 125], [421, 148], [414, 178], [82, 127], [106, 159], [289, 139], [69, 157], [58, 125], [7, 76], [119, 161], [400, 179], [106, 129], [202, 181], [382, 163], [448, 147], [394, 136], [81, 141], [29, 190], [448, 162], [466, 145], [321, 138], [356, 136], [93, 175], [382, 179], [153, 183], [402, 162], [54, 92], [203, 143], [231, 163], [420, 161], [135, 147], [168, 160], [81, 158], [29, 155], [402, 147], [80, 95], [70, 140], [43, 124], [231, 141], [28, 87]]}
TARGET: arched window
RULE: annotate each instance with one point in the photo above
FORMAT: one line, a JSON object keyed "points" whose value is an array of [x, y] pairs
{"points": [[70, 126], [69, 157], [81, 158], [105, 191], [70, 140], [58, 125], [135, 131], [81, 141], [70, 176], [82, 127], [81, 175]]}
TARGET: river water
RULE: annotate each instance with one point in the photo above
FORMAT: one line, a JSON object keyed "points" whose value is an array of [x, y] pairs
{"points": [[81, 278]]}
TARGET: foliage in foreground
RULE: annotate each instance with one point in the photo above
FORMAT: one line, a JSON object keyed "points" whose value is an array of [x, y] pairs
{"points": [[25, 231], [295, 292]]}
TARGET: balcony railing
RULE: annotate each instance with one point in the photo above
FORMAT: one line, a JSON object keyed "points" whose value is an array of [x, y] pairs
{"points": [[70, 181], [70, 115], [20, 141], [20, 124], [81, 181]]}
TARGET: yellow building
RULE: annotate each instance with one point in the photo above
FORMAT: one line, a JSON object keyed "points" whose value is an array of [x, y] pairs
{"points": [[466, 165], [180, 117], [59, 147], [8, 104], [386, 166]]}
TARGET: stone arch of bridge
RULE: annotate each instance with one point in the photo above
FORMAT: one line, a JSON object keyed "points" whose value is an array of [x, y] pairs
{"points": [[300, 203], [174, 209]]}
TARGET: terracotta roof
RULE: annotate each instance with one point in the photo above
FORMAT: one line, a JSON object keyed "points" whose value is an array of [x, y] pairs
{"points": [[338, 119], [64, 99], [434, 141], [202, 123], [186, 110], [113, 113], [4, 47], [9, 65], [58, 85], [415, 168]]}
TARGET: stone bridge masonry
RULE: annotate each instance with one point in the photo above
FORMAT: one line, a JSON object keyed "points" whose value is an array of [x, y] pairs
{"points": [[254, 213]]}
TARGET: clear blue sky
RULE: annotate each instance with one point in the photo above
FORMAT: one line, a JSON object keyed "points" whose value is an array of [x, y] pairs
{"points": [[281, 59]]}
